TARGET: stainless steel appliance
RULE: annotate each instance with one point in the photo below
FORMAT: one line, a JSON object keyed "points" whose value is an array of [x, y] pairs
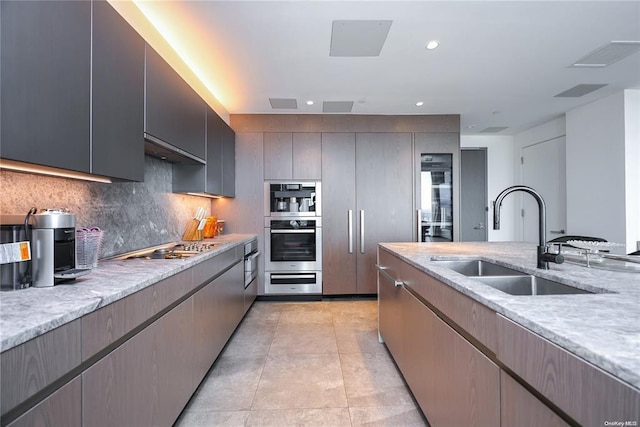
{"points": [[294, 255], [292, 198], [15, 275], [251, 255], [435, 216]]}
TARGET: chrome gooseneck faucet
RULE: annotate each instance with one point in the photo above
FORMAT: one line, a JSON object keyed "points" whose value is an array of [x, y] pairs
{"points": [[543, 257]]}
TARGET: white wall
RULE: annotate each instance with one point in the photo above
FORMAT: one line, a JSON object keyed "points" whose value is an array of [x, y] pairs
{"points": [[632, 167], [500, 175], [596, 169]]}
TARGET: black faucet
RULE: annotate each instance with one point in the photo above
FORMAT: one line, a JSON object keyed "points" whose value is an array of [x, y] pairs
{"points": [[543, 257]]}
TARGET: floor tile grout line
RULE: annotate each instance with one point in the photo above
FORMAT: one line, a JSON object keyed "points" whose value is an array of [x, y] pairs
{"points": [[344, 386]]}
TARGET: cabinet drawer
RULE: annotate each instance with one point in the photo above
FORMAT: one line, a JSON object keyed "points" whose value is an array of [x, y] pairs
{"points": [[521, 408], [583, 391], [62, 408], [473, 317], [110, 323], [207, 270], [30, 367]]}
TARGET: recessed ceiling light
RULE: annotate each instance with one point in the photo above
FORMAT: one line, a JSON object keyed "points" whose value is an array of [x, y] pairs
{"points": [[309, 102], [419, 104], [433, 44]]}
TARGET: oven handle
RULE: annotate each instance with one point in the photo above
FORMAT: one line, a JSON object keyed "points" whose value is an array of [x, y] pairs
{"points": [[293, 276], [253, 256], [298, 231]]}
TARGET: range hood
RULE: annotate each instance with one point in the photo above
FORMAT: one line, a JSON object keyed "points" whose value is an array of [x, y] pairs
{"points": [[162, 150]]}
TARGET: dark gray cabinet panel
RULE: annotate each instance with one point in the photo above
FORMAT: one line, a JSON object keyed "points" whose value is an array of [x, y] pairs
{"points": [[339, 204], [228, 161], [30, 367], [146, 381], [62, 408], [45, 67], [384, 198], [174, 112], [215, 153], [117, 96]]}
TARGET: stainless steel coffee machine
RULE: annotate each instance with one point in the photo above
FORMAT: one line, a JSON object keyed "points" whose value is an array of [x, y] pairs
{"points": [[53, 245]]}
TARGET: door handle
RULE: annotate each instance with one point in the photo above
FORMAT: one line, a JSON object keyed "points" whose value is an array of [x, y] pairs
{"points": [[350, 226], [362, 231], [479, 227], [561, 231]]}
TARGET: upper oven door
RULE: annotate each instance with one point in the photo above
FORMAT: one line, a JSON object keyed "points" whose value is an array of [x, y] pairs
{"points": [[294, 244]]}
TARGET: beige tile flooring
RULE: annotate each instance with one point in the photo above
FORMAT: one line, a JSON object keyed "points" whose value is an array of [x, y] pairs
{"points": [[304, 364]]}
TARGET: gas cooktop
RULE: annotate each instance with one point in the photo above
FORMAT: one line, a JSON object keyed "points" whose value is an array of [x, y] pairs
{"points": [[174, 250]]}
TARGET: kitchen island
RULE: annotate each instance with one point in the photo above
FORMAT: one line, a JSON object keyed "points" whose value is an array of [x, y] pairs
{"points": [[600, 330], [125, 345]]}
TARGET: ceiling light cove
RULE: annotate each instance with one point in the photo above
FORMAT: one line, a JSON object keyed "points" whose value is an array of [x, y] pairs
{"points": [[432, 44]]}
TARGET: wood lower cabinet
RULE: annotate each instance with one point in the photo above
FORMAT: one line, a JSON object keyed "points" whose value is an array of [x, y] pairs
{"points": [[520, 408], [218, 308], [390, 316], [62, 408], [146, 381], [584, 392]]}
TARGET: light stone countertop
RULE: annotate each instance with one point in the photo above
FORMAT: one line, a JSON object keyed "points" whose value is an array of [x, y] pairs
{"points": [[602, 328], [28, 313]]}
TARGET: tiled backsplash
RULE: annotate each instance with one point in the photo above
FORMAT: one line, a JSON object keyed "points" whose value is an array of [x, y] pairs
{"points": [[132, 215]]}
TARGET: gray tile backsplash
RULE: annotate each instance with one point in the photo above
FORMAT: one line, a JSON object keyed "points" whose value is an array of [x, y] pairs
{"points": [[132, 215]]}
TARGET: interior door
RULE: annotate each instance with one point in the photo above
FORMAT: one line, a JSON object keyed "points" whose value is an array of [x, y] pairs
{"points": [[473, 195], [384, 202], [543, 169]]}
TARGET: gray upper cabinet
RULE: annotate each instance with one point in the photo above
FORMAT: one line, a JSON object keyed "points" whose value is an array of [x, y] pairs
{"points": [[45, 64], [174, 113], [228, 161], [59, 109], [218, 175], [118, 96], [292, 155]]}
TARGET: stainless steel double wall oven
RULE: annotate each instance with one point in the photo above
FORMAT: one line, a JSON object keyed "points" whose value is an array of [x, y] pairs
{"points": [[293, 238]]}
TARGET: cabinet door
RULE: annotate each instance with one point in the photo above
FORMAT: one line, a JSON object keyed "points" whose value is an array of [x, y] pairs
{"points": [[278, 155], [453, 382], [45, 63], [117, 96], [339, 204], [228, 161], [521, 408], [307, 155], [62, 408], [175, 113], [390, 324], [384, 198], [215, 162], [146, 381]]}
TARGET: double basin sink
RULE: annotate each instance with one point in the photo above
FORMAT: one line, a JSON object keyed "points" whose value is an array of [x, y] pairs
{"points": [[508, 280]]}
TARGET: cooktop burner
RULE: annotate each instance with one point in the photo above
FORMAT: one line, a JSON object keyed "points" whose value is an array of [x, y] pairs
{"points": [[169, 251]]}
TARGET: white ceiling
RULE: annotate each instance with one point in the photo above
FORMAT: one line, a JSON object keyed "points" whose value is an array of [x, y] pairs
{"points": [[499, 63]]}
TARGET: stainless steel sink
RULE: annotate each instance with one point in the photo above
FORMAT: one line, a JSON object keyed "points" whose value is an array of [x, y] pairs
{"points": [[476, 267], [530, 285]]}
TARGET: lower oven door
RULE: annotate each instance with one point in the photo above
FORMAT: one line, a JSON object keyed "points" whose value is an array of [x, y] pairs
{"points": [[250, 268], [293, 283]]}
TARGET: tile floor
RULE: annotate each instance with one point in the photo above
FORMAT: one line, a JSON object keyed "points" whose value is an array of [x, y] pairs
{"points": [[304, 364]]}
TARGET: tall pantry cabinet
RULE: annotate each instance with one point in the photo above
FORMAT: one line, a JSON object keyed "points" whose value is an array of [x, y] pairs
{"points": [[367, 199]]}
